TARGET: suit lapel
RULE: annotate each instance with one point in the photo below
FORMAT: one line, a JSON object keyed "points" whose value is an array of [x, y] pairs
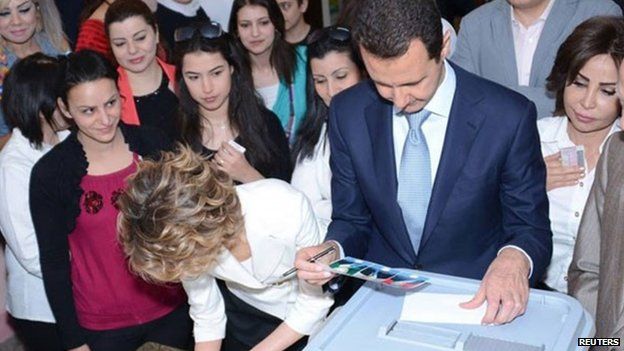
{"points": [[501, 31], [378, 117], [266, 255], [559, 17], [463, 125]]}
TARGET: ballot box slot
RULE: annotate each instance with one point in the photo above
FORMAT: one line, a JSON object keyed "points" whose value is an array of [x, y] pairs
{"points": [[482, 343], [421, 334]]}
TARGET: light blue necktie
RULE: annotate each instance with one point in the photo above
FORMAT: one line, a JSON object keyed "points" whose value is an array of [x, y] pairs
{"points": [[415, 178]]}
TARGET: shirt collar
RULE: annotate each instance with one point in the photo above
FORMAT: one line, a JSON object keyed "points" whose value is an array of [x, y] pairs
{"points": [[541, 18], [559, 135], [26, 146], [442, 100]]}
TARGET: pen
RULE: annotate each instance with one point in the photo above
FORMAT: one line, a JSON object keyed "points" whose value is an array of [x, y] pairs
{"points": [[312, 259]]}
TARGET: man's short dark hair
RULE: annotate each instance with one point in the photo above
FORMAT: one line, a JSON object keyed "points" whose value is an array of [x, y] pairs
{"points": [[385, 28]]}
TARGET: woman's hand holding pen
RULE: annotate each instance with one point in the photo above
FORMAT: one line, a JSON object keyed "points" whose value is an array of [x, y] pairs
{"points": [[311, 270]]}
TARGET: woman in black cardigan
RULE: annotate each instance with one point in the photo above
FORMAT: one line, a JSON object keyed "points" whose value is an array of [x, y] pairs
{"points": [[98, 304]]}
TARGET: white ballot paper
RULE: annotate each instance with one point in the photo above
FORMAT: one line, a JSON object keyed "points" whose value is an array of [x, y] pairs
{"points": [[440, 308]]}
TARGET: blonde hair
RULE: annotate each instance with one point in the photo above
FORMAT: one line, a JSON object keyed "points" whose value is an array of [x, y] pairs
{"points": [[49, 22], [176, 216]]}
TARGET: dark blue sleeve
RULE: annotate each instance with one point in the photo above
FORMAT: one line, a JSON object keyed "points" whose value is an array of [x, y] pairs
{"points": [[523, 196], [351, 219]]}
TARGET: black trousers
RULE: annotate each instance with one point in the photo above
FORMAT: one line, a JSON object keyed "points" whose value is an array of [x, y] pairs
{"points": [[173, 329], [37, 336], [246, 325]]}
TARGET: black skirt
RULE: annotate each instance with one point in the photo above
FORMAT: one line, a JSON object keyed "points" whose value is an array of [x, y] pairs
{"points": [[246, 325]]}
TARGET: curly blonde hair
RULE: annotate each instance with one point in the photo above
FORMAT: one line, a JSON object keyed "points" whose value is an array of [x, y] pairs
{"points": [[176, 216]]}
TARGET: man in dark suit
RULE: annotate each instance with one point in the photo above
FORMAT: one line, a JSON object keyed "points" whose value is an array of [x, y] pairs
{"points": [[433, 167]]}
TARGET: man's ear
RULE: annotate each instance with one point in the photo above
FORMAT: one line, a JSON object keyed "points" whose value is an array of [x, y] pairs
{"points": [[446, 44], [63, 108]]}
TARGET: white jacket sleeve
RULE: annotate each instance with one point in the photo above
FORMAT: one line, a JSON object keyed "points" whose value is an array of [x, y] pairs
{"points": [[15, 220], [206, 308], [311, 305]]}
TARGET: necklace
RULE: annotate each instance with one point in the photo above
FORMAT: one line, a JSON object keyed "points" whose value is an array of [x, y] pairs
{"points": [[221, 126]]}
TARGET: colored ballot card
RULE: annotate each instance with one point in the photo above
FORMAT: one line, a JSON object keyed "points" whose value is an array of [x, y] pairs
{"points": [[370, 271], [573, 156]]}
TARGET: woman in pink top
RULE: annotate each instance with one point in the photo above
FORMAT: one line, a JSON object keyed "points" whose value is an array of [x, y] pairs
{"points": [[97, 302]]}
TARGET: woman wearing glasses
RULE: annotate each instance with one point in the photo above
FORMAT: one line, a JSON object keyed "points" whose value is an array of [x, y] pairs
{"points": [[278, 68], [27, 27], [97, 302], [219, 110], [146, 83], [182, 219], [334, 65]]}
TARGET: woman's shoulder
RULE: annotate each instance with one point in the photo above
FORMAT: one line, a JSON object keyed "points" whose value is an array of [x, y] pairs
{"points": [[146, 140], [62, 158], [271, 190], [548, 127]]}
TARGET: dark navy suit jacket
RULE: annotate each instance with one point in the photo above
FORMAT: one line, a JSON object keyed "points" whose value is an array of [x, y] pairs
{"points": [[489, 190]]}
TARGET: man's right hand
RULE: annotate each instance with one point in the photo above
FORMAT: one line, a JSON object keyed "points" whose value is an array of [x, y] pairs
{"points": [[314, 272]]}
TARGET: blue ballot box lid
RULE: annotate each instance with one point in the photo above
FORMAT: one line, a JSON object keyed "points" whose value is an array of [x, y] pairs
{"points": [[371, 321]]}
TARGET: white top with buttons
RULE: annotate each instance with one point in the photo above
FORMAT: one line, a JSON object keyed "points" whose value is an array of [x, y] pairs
{"points": [[566, 204]]}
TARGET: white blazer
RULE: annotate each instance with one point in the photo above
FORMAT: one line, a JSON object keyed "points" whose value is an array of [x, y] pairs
{"points": [[26, 297], [278, 222], [312, 176]]}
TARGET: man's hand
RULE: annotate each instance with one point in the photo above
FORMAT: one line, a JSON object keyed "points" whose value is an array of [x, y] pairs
{"points": [[314, 272], [505, 287]]}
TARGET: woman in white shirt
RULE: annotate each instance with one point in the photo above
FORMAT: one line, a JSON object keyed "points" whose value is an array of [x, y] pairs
{"points": [[29, 104], [334, 65], [183, 220], [583, 79]]}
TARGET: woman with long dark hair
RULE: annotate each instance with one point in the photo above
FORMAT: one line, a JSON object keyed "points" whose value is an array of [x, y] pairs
{"points": [[219, 110], [333, 65], [278, 68]]}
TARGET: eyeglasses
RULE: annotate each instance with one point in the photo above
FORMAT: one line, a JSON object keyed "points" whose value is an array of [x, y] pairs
{"points": [[336, 33], [211, 30]]}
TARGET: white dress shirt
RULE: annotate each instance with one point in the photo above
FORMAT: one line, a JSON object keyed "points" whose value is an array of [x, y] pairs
{"points": [[275, 230], [434, 130], [525, 43], [566, 204], [312, 176], [26, 298]]}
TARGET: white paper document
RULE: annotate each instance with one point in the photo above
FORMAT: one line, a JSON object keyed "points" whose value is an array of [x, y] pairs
{"points": [[440, 308]]}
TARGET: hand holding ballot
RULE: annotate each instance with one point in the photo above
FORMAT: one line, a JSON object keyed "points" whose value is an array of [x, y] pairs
{"points": [[561, 171], [231, 159], [312, 271], [505, 287]]}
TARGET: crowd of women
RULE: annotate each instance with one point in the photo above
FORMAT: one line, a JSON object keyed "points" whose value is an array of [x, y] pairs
{"points": [[138, 197]]}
